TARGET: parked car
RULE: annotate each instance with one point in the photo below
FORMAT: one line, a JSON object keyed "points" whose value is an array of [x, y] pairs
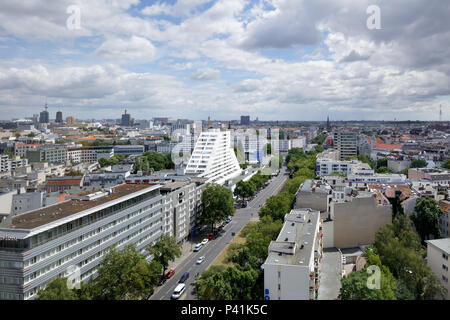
{"points": [[162, 280], [228, 220], [198, 246], [205, 241], [200, 260], [179, 290], [184, 277], [211, 236], [170, 273]]}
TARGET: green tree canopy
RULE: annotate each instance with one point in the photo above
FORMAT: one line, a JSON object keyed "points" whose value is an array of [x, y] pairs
{"points": [[166, 249], [124, 274], [426, 218], [57, 290], [217, 204], [418, 164]]}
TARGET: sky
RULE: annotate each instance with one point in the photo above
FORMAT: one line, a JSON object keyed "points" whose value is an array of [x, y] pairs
{"points": [[271, 59]]}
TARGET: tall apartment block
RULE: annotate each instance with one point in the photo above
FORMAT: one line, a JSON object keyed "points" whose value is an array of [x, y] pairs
{"points": [[346, 142], [38, 246], [292, 268], [213, 157]]}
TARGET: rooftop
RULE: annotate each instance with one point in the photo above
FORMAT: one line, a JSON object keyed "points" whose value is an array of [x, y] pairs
{"points": [[442, 244], [295, 242], [34, 219]]}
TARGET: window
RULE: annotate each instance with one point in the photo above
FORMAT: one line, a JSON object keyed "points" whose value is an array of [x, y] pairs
{"points": [[444, 267]]}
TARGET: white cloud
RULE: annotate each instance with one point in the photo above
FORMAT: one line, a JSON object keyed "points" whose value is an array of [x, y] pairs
{"points": [[135, 48]]}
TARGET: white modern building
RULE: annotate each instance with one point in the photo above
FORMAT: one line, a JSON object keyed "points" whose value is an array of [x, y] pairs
{"points": [[291, 270], [213, 157], [70, 238], [438, 252]]}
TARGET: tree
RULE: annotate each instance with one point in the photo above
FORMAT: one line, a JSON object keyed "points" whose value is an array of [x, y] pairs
{"points": [[277, 206], [399, 249], [426, 218], [230, 283], [74, 173], [166, 249], [383, 169], [124, 274], [293, 184], [57, 290], [397, 207], [245, 189], [446, 164], [217, 204], [418, 164]]}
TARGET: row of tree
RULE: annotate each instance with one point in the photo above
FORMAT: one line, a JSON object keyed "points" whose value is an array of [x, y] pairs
{"points": [[244, 278], [247, 189], [122, 275]]}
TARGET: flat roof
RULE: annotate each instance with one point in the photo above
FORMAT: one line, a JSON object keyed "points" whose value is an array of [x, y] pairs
{"points": [[298, 230], [37, 218], [442, 244]]}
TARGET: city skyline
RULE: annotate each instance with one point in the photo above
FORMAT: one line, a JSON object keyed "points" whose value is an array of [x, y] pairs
{"points": [[272, 59]]}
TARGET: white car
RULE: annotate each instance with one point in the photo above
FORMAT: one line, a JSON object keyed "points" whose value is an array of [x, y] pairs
{"points": [[179, 290], [198, 247], [200, 260], [205, 241]]}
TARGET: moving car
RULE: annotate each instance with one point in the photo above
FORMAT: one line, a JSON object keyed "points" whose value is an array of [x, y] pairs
{"points": [[179, 290], [200, 260], [170, 273], [198, 246], [205, 241], [184, 277]]}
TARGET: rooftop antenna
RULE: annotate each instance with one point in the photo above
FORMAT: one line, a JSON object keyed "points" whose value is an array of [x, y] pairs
{"points": [[46, 106]]}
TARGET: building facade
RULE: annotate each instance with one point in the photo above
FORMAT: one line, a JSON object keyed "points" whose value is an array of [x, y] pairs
{"points": [[39, 246]]}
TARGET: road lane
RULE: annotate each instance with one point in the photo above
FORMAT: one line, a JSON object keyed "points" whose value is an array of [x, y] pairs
{"points": [[214, 247]]}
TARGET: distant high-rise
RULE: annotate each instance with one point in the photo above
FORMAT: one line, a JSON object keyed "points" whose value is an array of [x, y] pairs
{"points": [[346, 142], [328, 123], [59, 117], [245, 120], [70, 120], [126, 119], [44, 116]]}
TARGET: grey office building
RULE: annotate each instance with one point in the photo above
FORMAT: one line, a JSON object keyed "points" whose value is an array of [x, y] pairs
{"points": [[245, 120], [72, 237], [346, 142], [126, 119]]}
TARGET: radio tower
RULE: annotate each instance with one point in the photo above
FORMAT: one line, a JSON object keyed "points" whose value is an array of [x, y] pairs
{"points": [[440, 113]]}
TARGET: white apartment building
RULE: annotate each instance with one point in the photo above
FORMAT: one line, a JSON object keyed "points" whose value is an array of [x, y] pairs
{"points": [[438, 252], [213, 157], [39, 246], [377, 178], [326, 166], [291, 270]]}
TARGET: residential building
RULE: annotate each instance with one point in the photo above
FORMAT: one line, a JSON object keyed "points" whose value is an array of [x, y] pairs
{"points": [[292, 267], [213, 157], [346, 142], [438, 252]]}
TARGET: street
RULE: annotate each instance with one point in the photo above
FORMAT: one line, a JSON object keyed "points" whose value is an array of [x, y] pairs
{"points": [[214, 247]]}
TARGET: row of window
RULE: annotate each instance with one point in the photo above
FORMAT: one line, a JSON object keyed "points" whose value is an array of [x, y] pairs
{"points": [[59, 231], [84, 237], [72, 256]]}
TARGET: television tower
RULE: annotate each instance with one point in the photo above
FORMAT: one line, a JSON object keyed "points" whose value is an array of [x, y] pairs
{"points": [[440, 113]]}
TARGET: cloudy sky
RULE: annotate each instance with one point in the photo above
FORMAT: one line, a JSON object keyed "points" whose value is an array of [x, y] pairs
{"points": [[272, 59]]}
